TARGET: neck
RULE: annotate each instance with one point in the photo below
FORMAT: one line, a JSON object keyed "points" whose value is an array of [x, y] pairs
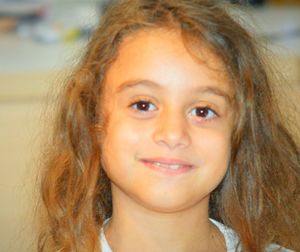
{"points": [[134, 227]]}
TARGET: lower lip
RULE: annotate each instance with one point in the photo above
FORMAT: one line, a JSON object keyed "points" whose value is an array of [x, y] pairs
{"points": [[168, 171]]}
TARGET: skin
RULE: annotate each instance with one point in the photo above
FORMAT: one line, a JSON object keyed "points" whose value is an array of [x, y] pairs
{"points": [[159, 103]]}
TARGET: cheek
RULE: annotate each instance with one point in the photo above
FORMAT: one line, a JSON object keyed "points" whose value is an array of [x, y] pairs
{"points": [[123, 132], [122, 141], [215, 147]]}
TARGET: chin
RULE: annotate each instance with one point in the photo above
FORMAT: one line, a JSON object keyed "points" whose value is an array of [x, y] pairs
{"points": [[169, 203]]}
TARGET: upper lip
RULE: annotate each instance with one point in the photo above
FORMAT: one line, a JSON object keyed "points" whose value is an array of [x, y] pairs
{"points": [[168, 161]]}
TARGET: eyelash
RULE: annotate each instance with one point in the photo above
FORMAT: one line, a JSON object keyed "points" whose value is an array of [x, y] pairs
{"points": [[133, 105]]}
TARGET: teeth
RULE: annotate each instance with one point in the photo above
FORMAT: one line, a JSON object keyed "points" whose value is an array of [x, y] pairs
{"points": [[172, 166]]}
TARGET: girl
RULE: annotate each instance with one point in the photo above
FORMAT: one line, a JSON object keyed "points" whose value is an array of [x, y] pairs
{"points": [[168, 138]]}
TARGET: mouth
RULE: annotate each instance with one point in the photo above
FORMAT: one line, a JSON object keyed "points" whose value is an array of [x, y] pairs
{"points": [[168, 166]]}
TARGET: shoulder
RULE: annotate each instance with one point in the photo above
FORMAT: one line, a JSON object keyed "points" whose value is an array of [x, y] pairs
{"points": [[277, 248], [232, 240], [103, 242]]}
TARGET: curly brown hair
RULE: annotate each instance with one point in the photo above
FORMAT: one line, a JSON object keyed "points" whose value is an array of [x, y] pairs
{"points": [[259, 196]]}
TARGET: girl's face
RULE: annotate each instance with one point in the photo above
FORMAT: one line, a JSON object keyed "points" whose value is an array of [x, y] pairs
{"points": [[167, 142]]}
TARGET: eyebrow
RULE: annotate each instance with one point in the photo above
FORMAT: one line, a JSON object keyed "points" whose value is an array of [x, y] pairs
{"points": [[148, 83]]}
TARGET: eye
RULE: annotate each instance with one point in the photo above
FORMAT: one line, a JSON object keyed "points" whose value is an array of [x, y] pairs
{"points": [[204, 112], [144, 106]]}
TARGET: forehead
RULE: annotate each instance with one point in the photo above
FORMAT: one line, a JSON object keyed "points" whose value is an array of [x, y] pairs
{"points": [[155, 53]]}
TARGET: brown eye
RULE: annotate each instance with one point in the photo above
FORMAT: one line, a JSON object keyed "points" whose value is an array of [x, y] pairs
{"points": [[204, 112], [143, 106]]}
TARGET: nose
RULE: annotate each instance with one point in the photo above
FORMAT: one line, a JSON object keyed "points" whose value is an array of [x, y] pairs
{"points": [[171, 130]]}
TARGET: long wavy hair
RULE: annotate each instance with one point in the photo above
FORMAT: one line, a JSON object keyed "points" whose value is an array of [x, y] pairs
{"points": [[259, 196]]}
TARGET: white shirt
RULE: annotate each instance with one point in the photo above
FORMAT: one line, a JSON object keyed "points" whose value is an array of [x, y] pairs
{"points": [[230, 237]]}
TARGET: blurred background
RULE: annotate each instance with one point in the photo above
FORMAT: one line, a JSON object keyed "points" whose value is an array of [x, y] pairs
{"points": [[40, 40]]}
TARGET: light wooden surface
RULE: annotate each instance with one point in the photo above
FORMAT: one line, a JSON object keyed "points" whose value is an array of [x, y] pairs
{"points": [[19, 125], [284, 2], [22, 102]]}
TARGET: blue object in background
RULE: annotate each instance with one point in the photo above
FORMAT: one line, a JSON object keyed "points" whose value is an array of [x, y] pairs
{"points": [[246, 2]]}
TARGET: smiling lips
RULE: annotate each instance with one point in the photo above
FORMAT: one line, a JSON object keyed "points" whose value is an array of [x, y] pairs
{"points": [[168, 166]]}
